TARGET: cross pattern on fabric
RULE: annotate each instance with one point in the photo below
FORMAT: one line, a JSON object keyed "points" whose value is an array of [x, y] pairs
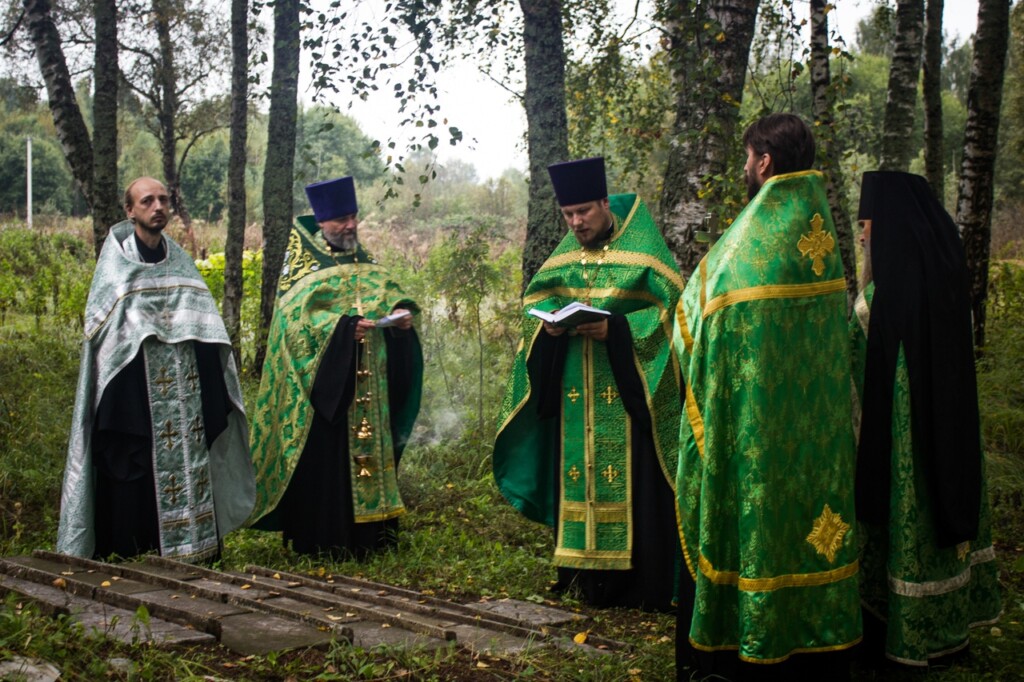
{"points": [[169, 434], [816, 244], [164, 381], [827, 534]]}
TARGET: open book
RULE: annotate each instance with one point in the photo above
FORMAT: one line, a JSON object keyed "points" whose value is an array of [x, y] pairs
{"points": [[572, 315], [390, 320]]}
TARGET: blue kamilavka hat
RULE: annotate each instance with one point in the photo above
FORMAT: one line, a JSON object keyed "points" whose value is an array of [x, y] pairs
{"points": [[332, 199], [577, 182]]}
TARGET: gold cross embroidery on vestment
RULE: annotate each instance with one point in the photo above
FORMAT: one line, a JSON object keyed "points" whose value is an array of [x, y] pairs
{"points": [[193, 378], [827, 534], [609, 395], [573, 395], [574, 473], [173, 489], [202, 482], [816, 244], [197, 428], [610, 474], [169, 434], [163, 381]]}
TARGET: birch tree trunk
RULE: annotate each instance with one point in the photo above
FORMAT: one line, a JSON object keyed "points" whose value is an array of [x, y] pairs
{"points": [[829, 150], [167, 111], [977, 170], [280, 163], [932, 87], [60, 95], [236, 174], [710, 45], [106, 206], [903, 75], [546, 127]]}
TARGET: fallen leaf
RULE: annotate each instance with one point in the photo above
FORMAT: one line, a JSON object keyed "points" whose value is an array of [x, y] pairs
{"points": [[60, 582], [481, 664], [277, 576], [580, 638], [105, 583], [385, 625], [246, 586], [996, 632], [335, 618], [67, 572]]}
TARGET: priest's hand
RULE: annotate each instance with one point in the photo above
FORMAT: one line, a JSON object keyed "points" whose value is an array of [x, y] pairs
{"points": [[553, 329], [362, 326], [598, 331], [404, 323]]}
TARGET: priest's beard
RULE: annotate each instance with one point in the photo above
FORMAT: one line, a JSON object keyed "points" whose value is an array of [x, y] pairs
{"points": [[753, 185], [344, 242]]}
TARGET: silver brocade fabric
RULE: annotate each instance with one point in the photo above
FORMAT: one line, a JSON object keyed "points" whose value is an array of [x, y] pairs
{"points": [[168, 302]]}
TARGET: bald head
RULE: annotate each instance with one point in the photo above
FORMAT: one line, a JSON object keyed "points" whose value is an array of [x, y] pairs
{"points": [[148, 206]]}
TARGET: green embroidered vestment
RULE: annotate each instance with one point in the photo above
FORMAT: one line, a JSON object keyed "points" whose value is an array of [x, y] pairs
{"points": [[929, 597], [635, 276], [766, 470], [316, 289]]}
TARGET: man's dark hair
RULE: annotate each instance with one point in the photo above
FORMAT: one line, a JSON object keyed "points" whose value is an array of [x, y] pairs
{"points": [[786, 137]]}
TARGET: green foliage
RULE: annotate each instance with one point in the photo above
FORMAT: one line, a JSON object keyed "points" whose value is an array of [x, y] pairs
{"points": [[43, 275], [212, 270], [204, 180], [330, 145]]}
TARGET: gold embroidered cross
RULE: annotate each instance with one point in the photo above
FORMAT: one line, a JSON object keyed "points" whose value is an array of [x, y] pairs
{"points": [[169, 433], [827, 533], [173, 489], [573, 395], [610, 474], [163, 381], [166, 317], [574, 473], [202, 482], [816, 244], [197, 428], [192, 377], [609, 395]]}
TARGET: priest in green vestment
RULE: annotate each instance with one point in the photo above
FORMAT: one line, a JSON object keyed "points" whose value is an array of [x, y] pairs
{"points": [[340, 388], [766, 448], [158, 458], [586, 435], [928, 565]]}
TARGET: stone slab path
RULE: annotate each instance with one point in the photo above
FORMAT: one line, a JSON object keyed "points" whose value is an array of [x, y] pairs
{"points": [[169, 603]]}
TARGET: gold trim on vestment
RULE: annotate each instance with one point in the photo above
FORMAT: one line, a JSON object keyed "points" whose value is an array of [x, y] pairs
{"points": [[684, 329], [561, 552], [696, 420], [619, 258], [768, 291], [607, 512], [325, 272], [779, 659], [777, 582], [795, 174]]}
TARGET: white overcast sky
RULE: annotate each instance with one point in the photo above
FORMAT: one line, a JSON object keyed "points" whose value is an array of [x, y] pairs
{"points": [[493, 124]]}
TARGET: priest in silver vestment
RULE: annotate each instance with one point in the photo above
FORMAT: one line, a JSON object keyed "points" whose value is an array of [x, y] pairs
{"points": [[158, 458]]}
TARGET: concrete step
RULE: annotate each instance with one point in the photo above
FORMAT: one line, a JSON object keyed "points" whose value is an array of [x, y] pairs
{"points": [[263, 610]]}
